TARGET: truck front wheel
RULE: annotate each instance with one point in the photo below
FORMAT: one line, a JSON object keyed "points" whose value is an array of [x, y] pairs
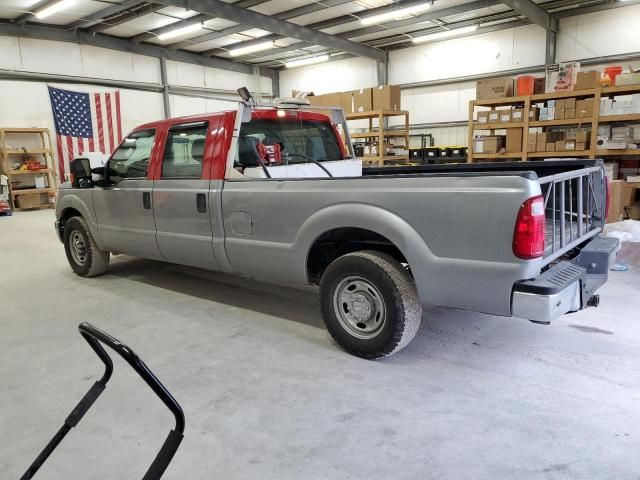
{"points": [[84, 256], [370, 304]]}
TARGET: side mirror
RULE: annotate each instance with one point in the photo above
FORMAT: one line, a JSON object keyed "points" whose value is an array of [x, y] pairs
{"points": [[80, 173]]}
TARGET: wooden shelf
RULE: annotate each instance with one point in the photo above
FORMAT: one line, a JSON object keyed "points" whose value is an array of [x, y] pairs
{"points": [[618, 152], [496, 126], [498, 155], [30, 151], [388, 133], [499, 101], [564, 153], [374, 114], [564, 121], [30, 172], [539, 97], [621, 89], [15, 193], [372, 158], [629, 117], [24, 130]]}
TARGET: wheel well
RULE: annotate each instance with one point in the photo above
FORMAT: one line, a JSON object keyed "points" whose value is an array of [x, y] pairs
{"points": [[67, 213], [340, 241]]}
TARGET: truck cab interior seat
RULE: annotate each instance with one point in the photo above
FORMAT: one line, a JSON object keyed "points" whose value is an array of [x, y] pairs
{"points": [[248, 155]]}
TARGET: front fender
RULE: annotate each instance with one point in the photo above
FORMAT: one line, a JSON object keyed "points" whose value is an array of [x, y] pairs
{"points": [[83, 203]]}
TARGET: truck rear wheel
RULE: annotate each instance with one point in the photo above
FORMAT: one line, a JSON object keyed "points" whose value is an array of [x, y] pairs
{"points": [[370, 304], [84, 256]]}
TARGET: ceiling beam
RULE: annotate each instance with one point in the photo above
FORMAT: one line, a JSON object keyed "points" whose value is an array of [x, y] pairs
{"points": [[125, 17], [533, 12], [430, 15], [274, 25], [95, 17], [187, 22], [114, 43]]}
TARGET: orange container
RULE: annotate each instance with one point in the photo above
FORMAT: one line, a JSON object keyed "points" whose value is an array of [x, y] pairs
{"points": [[525, 84], [613, 72]]}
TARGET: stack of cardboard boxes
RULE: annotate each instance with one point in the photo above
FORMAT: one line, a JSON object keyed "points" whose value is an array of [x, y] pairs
{"points": [[514, 115], [384, 97], [566, 108], [558, 141]]}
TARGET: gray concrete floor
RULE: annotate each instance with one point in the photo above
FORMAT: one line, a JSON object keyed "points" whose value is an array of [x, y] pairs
{"points": [[267, 395]]}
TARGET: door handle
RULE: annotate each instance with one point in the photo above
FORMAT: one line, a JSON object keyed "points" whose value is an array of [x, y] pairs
{"points": [[201, 203], [146, 200]]}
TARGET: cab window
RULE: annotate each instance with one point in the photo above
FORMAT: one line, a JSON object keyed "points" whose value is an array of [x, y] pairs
{"points": [[184, 150], [131, 159]]}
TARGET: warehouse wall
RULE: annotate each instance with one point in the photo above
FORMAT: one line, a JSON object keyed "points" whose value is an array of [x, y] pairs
{"points": [[26, 103], [604, 33]]}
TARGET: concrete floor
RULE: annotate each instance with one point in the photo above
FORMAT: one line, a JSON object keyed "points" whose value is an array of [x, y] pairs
{"points": [[267, 395]]}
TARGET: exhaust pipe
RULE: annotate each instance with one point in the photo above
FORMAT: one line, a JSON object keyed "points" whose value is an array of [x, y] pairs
{"points": [[594, 301]]}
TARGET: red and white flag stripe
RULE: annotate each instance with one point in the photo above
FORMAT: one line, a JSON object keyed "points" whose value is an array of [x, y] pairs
{"points": [[106, 122]]}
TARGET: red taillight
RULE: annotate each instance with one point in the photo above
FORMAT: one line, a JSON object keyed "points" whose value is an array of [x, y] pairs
{"points": [[528, 237]]}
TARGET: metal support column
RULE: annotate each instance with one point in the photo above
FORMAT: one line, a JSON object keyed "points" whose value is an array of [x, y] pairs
{"points": [[383, 70], [275, 85], [165, 87], [550, 47]]}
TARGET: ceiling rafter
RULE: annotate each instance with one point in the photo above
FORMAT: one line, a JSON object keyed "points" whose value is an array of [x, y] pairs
{"points": [[280, 27], [95, 17]]}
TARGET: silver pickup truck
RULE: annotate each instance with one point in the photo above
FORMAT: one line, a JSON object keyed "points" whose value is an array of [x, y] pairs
{"points": [[275, 193]]}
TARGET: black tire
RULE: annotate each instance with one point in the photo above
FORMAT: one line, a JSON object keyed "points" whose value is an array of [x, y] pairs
{"points": [[359, 285], [84, 256]]}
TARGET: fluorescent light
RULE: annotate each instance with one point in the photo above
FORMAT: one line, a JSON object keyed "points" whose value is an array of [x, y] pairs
{"points": [[445, 34], [236, 52], [306, 61], [54, 8], [395, 14], [180, 31]]}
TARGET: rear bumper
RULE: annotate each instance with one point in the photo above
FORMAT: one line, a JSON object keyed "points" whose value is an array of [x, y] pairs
{"points": [[567, 286]]}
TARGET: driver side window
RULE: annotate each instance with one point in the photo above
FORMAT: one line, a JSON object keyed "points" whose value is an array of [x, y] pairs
{"points": [[131, 159]]}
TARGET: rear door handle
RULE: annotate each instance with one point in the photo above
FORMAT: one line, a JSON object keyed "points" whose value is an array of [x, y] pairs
{"points": [[201, 203], [146, 200]]}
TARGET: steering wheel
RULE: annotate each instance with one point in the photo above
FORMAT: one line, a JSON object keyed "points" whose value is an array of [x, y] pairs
{"points": [[307, 157]]}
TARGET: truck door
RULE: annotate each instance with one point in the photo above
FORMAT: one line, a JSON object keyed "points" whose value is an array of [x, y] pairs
{"points": [[181, 196], [124, 208]]}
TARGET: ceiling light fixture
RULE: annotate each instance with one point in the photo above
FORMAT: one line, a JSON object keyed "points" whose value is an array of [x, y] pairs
{"points": [[180, 31], [307, 61], [258, 47], [446, 34], [395, 14], [54, 8]]}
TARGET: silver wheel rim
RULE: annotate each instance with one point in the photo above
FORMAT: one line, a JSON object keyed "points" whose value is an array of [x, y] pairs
{"points": [[78, 247], [359, 307]]}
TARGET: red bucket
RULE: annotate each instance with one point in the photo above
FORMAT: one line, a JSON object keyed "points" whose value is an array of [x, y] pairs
{"points": [[525, 84]]}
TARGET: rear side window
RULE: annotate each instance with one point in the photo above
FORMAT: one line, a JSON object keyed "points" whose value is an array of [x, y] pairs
{"points": [[131, 159], [184, 150]]}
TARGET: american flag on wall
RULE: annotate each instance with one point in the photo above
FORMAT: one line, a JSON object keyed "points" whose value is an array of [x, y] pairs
{"points": [[85, 122]]}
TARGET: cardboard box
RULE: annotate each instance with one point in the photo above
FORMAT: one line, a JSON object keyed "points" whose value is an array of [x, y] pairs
{"points": [[494, 116], [550, 147], [363, 100], [561, 77], [582, 136], [580, 146], [628, 79], [560, 145], [539, 85], [386, 97], [483, 117], [569, 145], [499, 87], [543, 114], [517, 115], [559, 104], [569, 113], [532, 147], [31, 200], [346, 101], [534, 113], [489, 144], [584, 108], [543, 138], [514, 140], [558, 114], [569, 103], [587, 80], [551, 113], [616, 207], [505, 116], [532, 138]]}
